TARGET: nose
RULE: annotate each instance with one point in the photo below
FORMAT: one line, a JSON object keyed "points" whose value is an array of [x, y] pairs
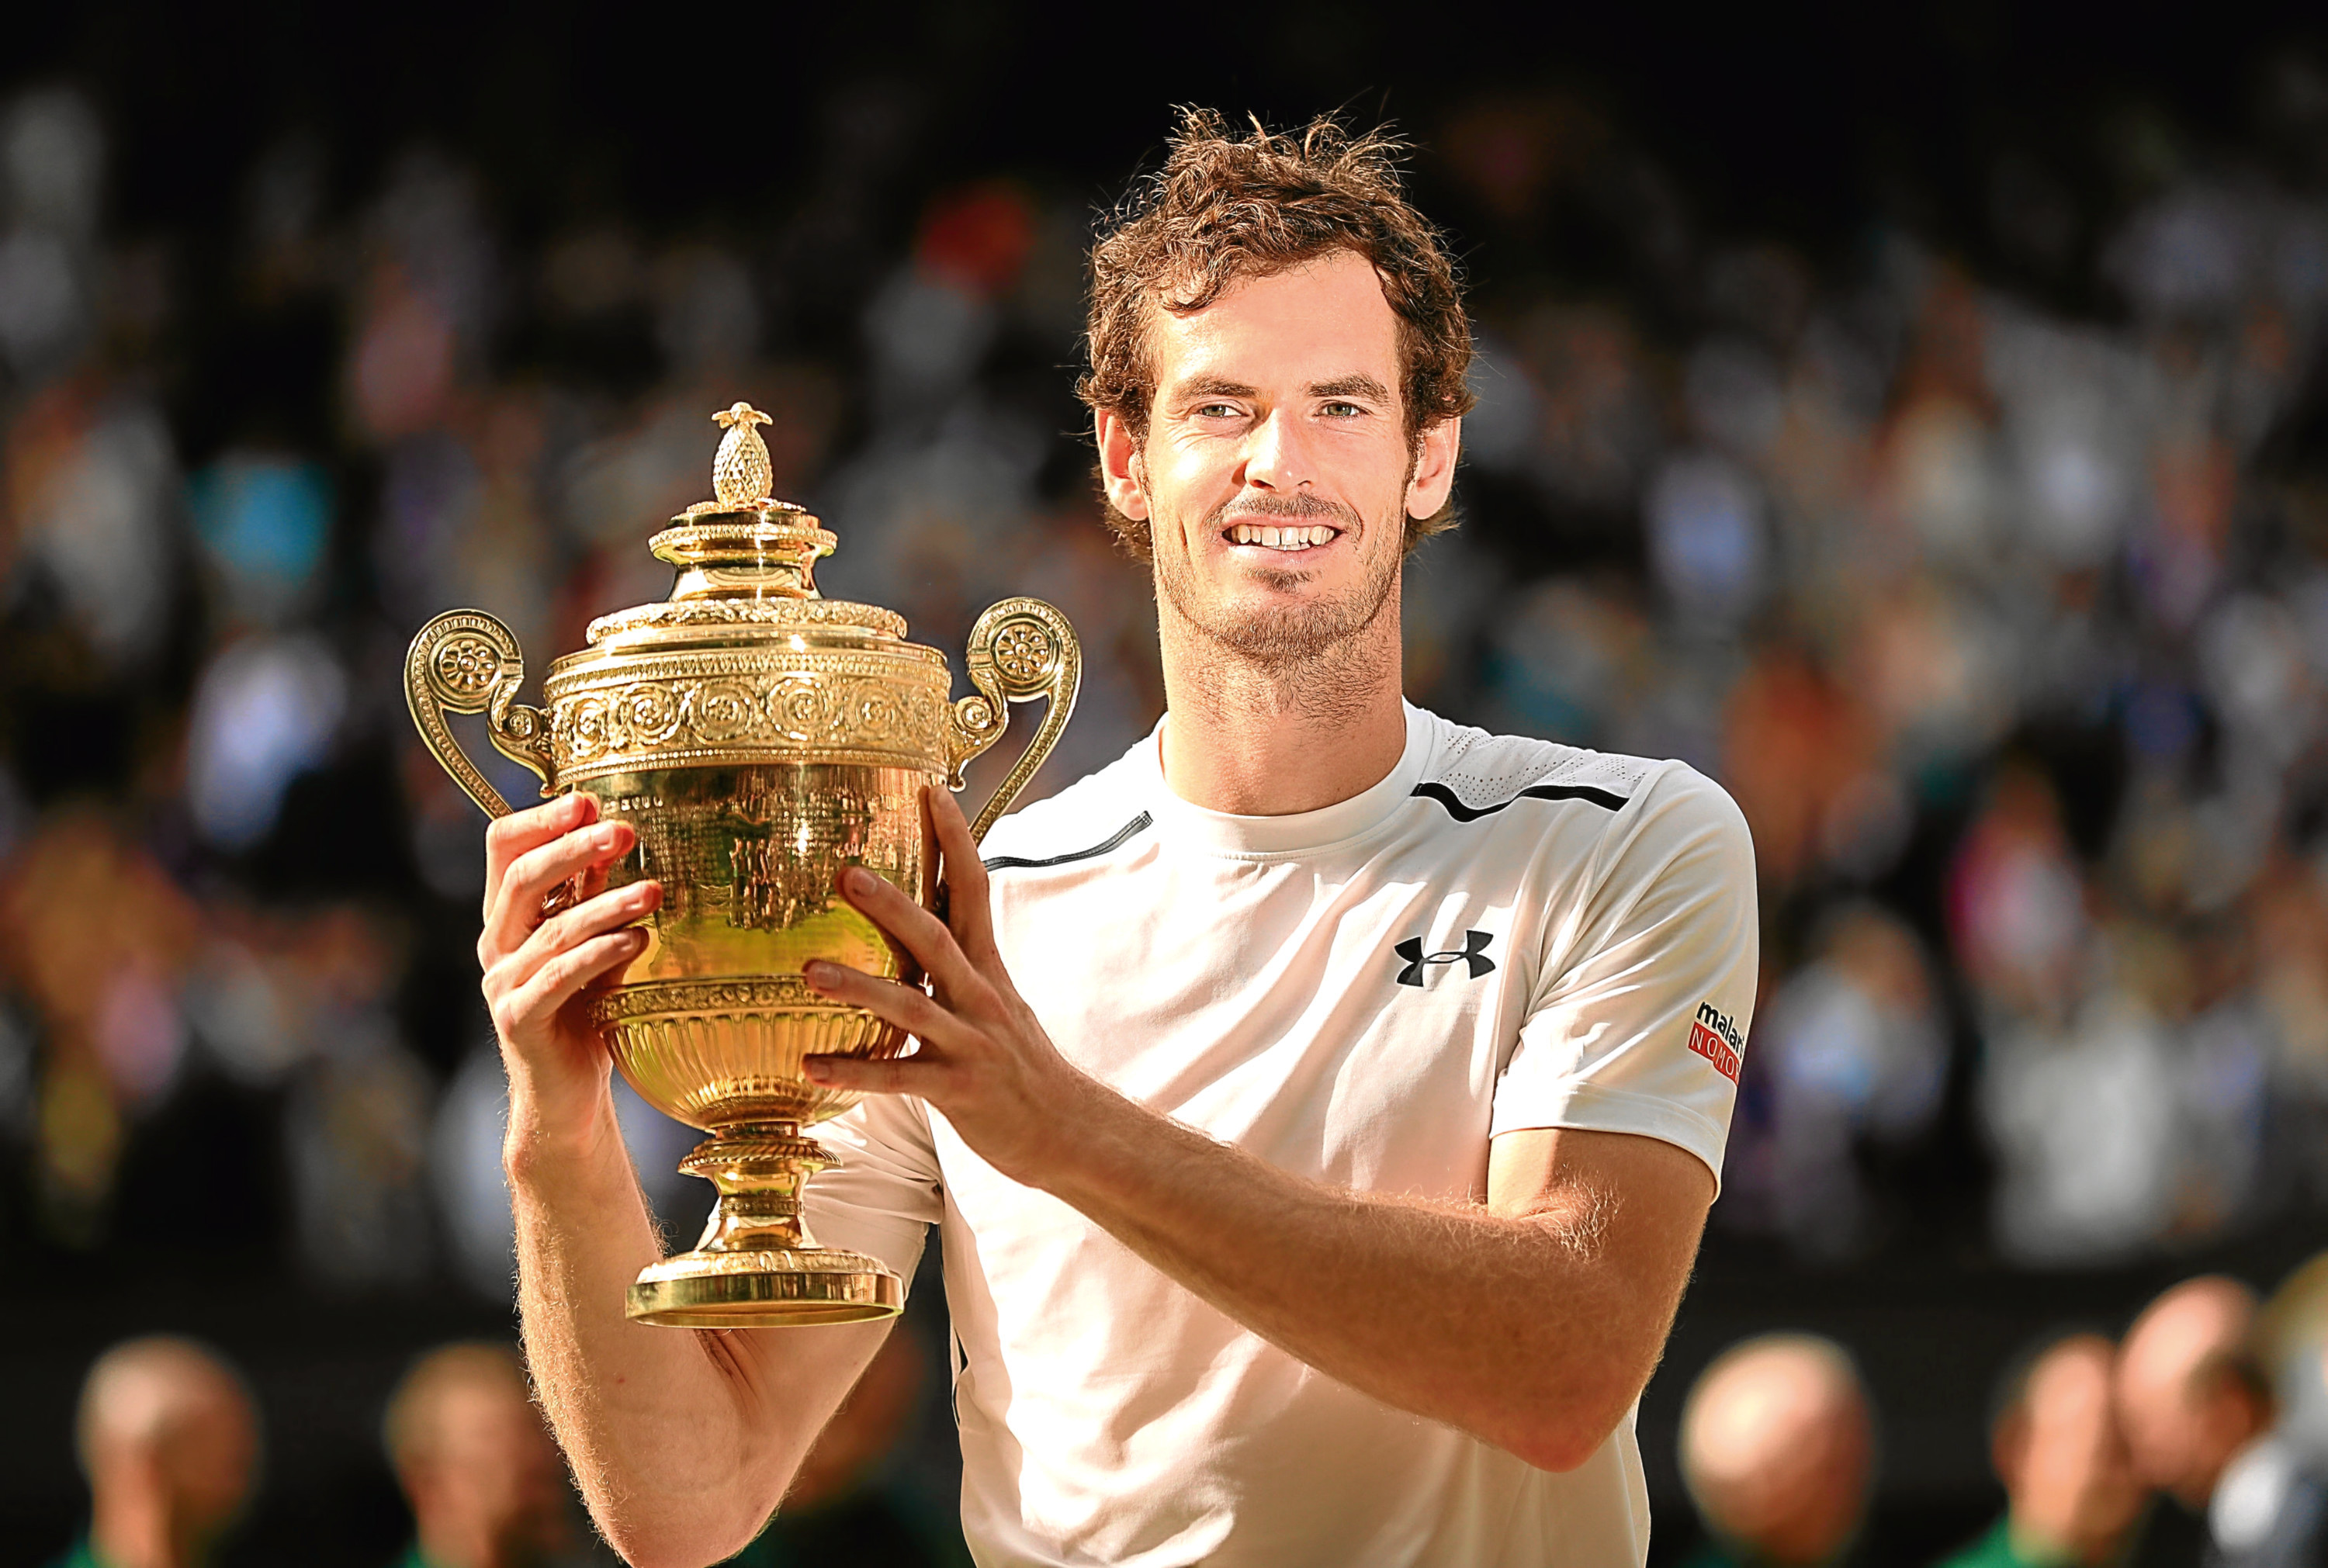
{"points": [[1278, 455]]}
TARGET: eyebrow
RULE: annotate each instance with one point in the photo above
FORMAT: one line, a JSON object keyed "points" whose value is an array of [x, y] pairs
{"points": [[1216, 387], [1357, 386]]}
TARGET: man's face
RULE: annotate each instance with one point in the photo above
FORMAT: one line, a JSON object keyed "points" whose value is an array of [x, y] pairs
{"points": [[1276, 475], [208, 1460], [2071, 1485], [497, 1472]]}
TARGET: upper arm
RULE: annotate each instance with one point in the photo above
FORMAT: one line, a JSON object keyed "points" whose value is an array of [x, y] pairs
{"points": [[879, 1197], [1628, 1210], [1643, 1199], [790, 1381]]}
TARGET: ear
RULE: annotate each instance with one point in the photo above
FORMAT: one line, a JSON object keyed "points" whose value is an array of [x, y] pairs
{"points": [[1119, 465], [2234, 1417], [1434, 470]]}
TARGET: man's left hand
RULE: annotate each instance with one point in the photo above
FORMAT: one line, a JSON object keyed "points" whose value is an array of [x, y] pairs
{"points": [[983, 1060]]}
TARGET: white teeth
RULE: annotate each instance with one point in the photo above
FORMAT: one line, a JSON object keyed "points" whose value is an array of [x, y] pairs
{"points": [[1286, 539]]}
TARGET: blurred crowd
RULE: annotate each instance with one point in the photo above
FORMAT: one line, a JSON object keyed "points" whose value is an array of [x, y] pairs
{"points": [[2007, 627], [224, 856], [1992, 581], [2201, 1436], [170, 1444], [2006, 624]]}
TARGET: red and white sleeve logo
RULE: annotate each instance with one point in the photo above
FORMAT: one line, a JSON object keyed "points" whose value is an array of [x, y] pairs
{"points": [[1714, 1036]]}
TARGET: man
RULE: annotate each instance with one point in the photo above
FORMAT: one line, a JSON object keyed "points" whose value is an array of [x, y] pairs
{"points": [[1321, 1103], [2270, 1508], [2190, 1398], [483, 1479], [1778, 1449], [169, 1441], [2072, 1497]]}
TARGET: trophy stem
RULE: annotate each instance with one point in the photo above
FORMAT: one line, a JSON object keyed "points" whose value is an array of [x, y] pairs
{"points": [[758, 1170], [756, 1267]]}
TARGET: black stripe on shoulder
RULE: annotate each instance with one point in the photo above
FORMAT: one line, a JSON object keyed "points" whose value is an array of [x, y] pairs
{"points": [[1463, 813], [1115, 840]]}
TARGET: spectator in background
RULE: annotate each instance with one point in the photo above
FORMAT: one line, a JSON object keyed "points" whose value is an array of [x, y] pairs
{"points": [[1778, 1449], [2189, 1397], [2270, 1506], [1854, 1052], [485, 1483], [169, 1440], [2070, 1493], [840, 1509], [2269, 1509]]}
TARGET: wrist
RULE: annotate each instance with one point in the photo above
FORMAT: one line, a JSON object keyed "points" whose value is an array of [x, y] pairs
{"points": [[556, 1131], [1094, 1154]]}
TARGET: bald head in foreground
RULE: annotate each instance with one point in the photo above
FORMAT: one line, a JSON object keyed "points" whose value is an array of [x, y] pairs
{"points": [[1777, 1448], [2189, 1395], [169, 1440], [485, 1483]]}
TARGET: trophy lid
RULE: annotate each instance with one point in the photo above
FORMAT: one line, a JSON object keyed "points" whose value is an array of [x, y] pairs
{"points": [[746, 562]]}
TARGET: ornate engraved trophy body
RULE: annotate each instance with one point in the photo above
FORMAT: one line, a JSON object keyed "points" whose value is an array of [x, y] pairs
{"points": [[757, 738]]}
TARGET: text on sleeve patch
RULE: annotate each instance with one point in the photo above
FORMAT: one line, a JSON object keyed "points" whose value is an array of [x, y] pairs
{"points": [[1714, 1036]]}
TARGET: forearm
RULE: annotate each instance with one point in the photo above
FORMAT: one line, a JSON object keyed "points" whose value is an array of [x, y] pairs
{"points": [[1520, 1328], [655, 1422]]}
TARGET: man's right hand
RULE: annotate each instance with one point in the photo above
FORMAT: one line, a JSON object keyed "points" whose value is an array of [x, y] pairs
{"points": [[538, 971]]}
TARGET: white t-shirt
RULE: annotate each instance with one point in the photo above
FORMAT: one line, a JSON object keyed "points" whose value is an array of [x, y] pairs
{"points": [[1502, 933]]}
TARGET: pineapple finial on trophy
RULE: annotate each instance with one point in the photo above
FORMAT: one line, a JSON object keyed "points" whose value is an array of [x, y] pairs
{"points": [[740, 473]]}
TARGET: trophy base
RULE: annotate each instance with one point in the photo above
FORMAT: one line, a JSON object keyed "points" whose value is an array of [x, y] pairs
{"points": [[756, 1267], [764, 1290]]}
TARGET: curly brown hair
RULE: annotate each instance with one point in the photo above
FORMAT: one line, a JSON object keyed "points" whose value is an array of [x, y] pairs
{"points": [[1221, 211]]}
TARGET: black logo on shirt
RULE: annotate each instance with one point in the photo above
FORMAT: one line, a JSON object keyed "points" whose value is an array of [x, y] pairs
{"points": [[1471, 955]]}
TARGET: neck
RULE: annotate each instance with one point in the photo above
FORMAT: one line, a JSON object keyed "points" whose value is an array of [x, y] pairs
{"points": [[1269, 740], [139, 1532], [457, 1543]]}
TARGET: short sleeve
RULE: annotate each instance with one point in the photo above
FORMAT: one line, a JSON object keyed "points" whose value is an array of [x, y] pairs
{"points": [[1639, 1016], [880, 1196]]}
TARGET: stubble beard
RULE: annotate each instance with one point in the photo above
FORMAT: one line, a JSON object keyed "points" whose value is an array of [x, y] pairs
{"points": [[1291, 638]]}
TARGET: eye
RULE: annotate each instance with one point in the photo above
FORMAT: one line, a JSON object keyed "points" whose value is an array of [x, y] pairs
{"points": [[1343, 410], [1219, 411]]}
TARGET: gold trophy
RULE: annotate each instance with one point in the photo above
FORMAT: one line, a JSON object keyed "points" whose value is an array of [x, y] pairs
{"points": [[757, 738]]}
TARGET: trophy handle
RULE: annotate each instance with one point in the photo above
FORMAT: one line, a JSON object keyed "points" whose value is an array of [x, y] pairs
{"points": [[1019, 650], [467, 662]]}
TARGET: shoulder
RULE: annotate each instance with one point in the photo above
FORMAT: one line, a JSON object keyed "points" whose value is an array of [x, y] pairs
{"points": [[1475, 774], [1097, 813]]}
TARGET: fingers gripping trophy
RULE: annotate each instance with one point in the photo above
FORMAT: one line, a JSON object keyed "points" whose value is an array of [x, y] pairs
{"points": [[757, 739]]}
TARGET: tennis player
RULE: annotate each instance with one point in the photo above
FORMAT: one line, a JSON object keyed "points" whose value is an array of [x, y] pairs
{"points": [[1319, 1105]]}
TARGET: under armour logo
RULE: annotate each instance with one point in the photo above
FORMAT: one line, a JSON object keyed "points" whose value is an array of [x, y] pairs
{"points": [[1471, 955]]}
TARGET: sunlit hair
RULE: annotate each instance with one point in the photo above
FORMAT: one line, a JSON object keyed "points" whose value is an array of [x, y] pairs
{"points": [[1222, 210], [142, 1391], [412, 1428]]}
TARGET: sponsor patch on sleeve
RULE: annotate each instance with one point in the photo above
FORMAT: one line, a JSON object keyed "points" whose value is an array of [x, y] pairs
{"points": [[1714, 1036]]}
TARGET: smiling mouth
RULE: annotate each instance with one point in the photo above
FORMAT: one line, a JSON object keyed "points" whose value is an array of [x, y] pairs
{"points": [[1289, 540]]}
